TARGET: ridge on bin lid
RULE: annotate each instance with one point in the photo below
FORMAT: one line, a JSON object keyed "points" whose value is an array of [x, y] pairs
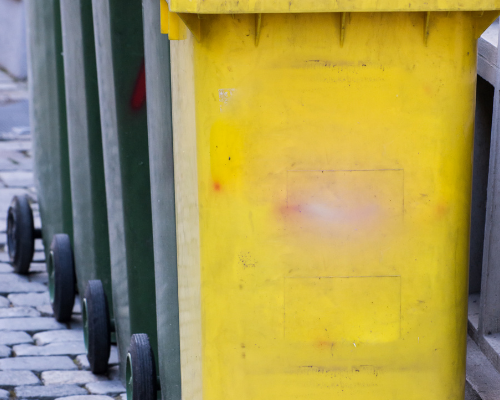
{"points": [[306, 6]]}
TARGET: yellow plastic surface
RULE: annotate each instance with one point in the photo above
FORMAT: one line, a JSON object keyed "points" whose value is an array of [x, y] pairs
{"points": [[323, 202], [307, 6]]}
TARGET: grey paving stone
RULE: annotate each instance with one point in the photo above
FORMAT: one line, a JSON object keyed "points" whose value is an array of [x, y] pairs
{"points": [[114, 373], [12, 164], [90, 397], [17, 179], [4, 302], [12, 277], [10, 312], [38, 363], [70, 377], [82, 361], [53, 349], [112, 388], [4, 256], [39, 244], [123, 396], [48, 392], [16, 145], [66, 335], [39, 257], [14, 337], [40, 277], [4, 394], [21, 287], [46, 310], [29, 299], [30, 325], [38, 266], [113, 356], [11, 379], [5, 351], [6, 268], [6, 194], [77, 309], [76, 322]]}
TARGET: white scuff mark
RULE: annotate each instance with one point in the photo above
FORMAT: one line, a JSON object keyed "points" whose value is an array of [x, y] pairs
{"points": [[224, 95], [419, 339], [327, 213], [354, 344]]}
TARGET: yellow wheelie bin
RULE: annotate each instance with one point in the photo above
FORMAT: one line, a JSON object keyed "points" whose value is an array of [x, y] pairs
{"points": [[323, 162]]}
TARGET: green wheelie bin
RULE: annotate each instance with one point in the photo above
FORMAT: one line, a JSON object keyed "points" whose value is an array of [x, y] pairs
{"points": [[50, 140], [121, 81], [141, 382], [90, 228]]}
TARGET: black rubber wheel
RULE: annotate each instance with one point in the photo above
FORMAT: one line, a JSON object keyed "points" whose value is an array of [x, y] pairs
{"points": [[61, 271], [20, 234], [96, 326], [141, 369]]}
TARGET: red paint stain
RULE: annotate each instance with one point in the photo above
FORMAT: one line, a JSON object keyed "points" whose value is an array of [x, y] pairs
{"points": [[442, 210], [217, 186], [323, 344], [139, 95], [288, 210]]}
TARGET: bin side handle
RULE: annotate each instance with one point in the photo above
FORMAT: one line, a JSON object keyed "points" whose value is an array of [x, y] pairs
{"points": [[175, 24], [483, 20]]}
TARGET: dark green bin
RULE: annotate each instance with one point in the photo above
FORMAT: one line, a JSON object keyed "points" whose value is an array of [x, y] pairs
{"points": [[48, 118], [142, 379], [120, 67], [90, 224], [157, 50]]}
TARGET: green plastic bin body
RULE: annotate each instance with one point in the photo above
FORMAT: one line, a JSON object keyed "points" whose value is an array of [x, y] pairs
{"points": [[48, 118], [157, 61], [88, 194], [120, 58]]}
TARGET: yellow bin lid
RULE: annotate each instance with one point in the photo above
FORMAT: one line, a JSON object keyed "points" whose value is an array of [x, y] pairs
{"points": [[315, 6]]}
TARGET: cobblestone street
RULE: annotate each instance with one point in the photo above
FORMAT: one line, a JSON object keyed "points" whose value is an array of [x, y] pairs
{"points": [[40, 358]]}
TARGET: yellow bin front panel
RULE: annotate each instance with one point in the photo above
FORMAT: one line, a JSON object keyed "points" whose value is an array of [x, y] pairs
{"points": [[323, 202]]}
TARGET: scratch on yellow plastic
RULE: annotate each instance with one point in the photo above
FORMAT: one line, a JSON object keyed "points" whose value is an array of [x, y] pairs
{"points": [[342, 28], [258, 26], [427, 19], [332, 206], [308, 6]]}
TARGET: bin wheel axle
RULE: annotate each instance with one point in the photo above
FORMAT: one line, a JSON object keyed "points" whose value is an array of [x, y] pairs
{"points": [[141, 380], [96, 326], [20, 234]]}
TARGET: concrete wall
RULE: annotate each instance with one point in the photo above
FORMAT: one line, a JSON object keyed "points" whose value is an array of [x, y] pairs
{"points": [[13, 38]]}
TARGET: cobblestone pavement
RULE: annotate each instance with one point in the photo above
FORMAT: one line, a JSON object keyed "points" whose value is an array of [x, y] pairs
{"points": [[40, 358]]}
